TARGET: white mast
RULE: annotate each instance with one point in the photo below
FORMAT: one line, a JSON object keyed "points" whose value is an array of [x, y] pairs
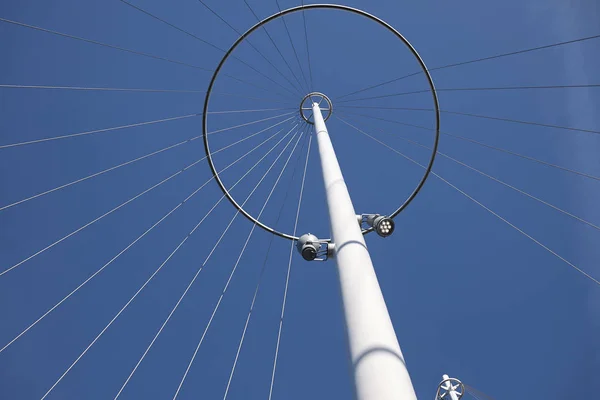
{"points": [[378, 366]]}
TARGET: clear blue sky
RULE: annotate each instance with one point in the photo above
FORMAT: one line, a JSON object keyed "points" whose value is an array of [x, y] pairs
{"points": [[468, 295]]}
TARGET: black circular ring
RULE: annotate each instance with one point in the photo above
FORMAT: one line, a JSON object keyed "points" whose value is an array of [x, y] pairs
{"points": [[290, 11]]}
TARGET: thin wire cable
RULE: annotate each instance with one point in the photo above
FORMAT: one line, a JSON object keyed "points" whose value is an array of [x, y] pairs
{"points": [[337, 99], [518, 88], [477, 116], [287, 279], [254, 85], [260, 278], [474, 396], [523, 156], [126, 305], [213, 46], [474, 61], [173, 26], [208, 43], [267, 128], [114, 128], [250, 44], [521, 122], [252, 97], [389, 108], [293, 46], [97, 219], [501, 182], [108, 89], [104, 89], [475, 89], [139, 53], [387, 95], [190, 285], [235, 266], [251, 123], [102, 268], [147, 281], [515, 52], [522, 192], [127, 163], [125, 249], [133, 125], [95, 174], [275, 45], [388, 120], [483, 206], [307, 51], [250, 111], [484, 145], [118, 207], [471, 390]]}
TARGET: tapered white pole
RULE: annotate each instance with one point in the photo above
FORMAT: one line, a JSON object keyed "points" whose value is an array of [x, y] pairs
{"points": [[377, 362]]}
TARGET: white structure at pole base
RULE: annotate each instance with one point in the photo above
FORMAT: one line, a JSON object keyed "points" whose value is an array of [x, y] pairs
{"points": [[450, 389], [378, 365], [448, 386]]}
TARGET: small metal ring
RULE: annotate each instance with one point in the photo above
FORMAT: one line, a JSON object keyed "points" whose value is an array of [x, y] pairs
{"points": [[290, 11], [324, 97]]}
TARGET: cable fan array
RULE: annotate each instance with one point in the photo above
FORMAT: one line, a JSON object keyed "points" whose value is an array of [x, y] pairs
{"points": [[154, 214]]}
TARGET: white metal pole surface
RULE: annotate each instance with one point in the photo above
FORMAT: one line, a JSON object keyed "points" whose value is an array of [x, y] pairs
{"points": [[377, 363], [448, 387]]}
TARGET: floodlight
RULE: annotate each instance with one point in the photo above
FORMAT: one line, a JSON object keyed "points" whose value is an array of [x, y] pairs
{"points": [[308, 246], [384, 226], [312, 248]]}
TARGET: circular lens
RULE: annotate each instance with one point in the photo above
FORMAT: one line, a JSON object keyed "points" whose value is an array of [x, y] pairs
{"points": [[309, 253]]}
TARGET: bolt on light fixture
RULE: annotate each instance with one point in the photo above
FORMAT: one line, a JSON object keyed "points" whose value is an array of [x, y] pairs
{"points": [[384, 226], [313, 249]]}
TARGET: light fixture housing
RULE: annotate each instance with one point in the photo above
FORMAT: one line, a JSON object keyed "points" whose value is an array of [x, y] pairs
{"points": [[384, 226], [313, 249]]}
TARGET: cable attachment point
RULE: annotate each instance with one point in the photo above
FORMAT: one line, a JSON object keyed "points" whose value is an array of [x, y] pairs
{"points": [[319, 98]]}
